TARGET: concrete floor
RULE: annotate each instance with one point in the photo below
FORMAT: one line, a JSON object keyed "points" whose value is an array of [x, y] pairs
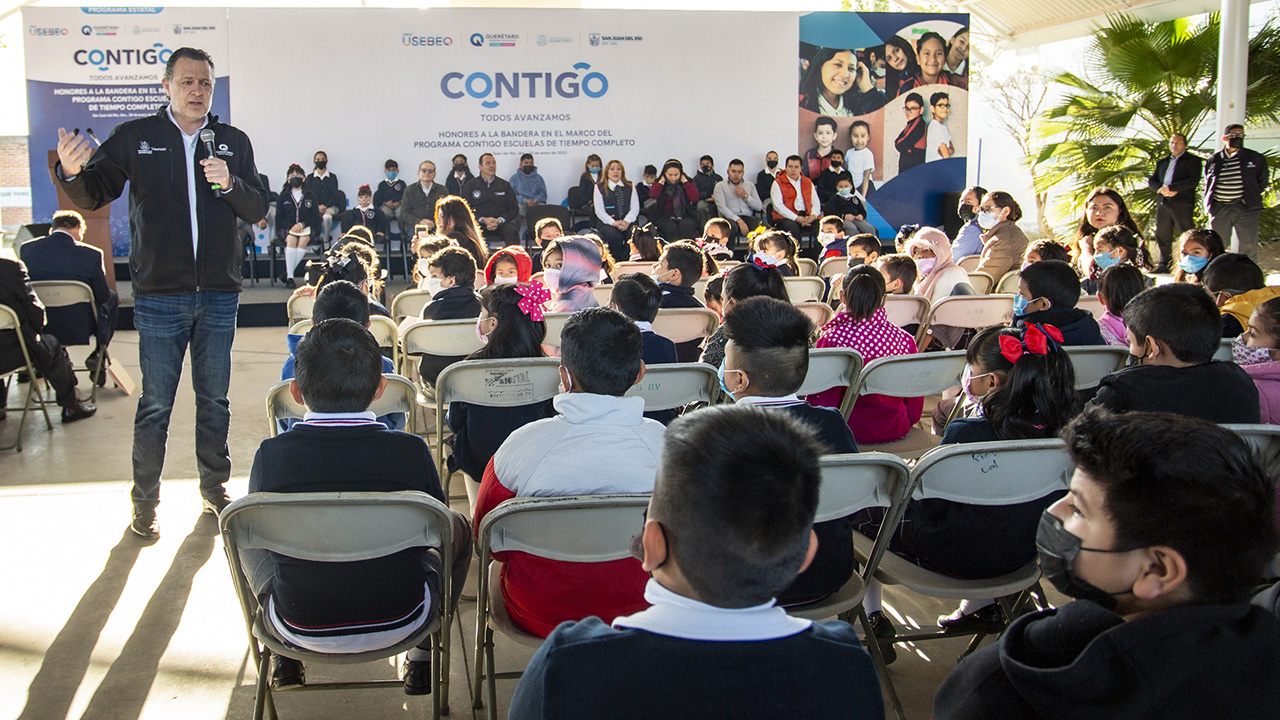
{"points": [[96, 624]]}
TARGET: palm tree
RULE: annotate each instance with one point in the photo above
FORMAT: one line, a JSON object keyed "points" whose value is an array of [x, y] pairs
{"points": [[1147, 82]]}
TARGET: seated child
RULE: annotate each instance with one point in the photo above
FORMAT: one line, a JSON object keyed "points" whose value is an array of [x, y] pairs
{"points": [[366, 216], [716, 238], [637, 296], [765, 362], [1116, 287], [572, 270], [349, 607], [831, 237], [899, 272], [864, 249], [728, 529], [741, 282], [681, 265], [338, 299], [1238, 286], [453, 297], [546, 230], [1116, 245], [1257, 351], [607, 263], [424, 246], [1197, 248], [645, 244], [863, 325], [508, 266], [1045, 250], [1047, 295], [1175, 518], [1174, 331], [599, 442], [777, 249], [713, 295], [847, 206]]}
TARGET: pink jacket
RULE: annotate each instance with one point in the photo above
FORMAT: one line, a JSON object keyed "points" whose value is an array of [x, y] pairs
{"points": [[1267, 377]]}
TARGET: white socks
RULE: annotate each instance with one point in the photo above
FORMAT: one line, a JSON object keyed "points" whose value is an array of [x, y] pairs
{"points": [[292, 258], [968, 607], [871, 602]]}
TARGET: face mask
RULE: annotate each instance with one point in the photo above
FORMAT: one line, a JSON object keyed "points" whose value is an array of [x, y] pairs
{"points": [[433, 285], [1103, 260], [966, 385], [845, 192], [391, 174], [966, 213], [322, 164], [772, 164], [424, 267], [856, 261], [720, 371], [706, 168], [835, 166], [826, 238], [499, 280], [551, 278], [528, 169], [1020, 305], [459, 167], [925, 265], [1058, 550], [1235, 143], [563, 388], [1242, 354], [1192, 263], [987, 220], [484, 338], [295, 182], [594, 171]]}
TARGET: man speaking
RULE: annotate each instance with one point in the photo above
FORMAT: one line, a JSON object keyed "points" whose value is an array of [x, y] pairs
{"points": [[189, 177]]}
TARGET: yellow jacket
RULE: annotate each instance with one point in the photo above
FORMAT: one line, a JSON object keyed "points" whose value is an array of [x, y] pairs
{"points": [[1241, 306]]}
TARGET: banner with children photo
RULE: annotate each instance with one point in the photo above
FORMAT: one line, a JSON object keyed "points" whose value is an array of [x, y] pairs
{"points": [[884, 113]]}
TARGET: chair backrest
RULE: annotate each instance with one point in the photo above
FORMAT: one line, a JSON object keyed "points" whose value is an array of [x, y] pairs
{"points": [[685, 324], [443, 338], [906, 310], [1264, 440], [409, 304], [579, 528], [819, 312], [993, 473], [399, 397], [299, 307], [972, 311], [387, 334], [916, 375], [302, 327], [969, 263], [603, 293], [555, 324], [808, 268], [805, 288], [833, 266], [981, 282], [1008, 284], [638, 266], [1094, 362], [1092, 303], [854, 481], [833, 367], [1224, 350], [545, 210], [672, 385], [700, 288], [499, 383], [9, 319], [62, 293]]}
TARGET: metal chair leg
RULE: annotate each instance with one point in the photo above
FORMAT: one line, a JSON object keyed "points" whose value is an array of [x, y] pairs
{"points": [[878, 659]]}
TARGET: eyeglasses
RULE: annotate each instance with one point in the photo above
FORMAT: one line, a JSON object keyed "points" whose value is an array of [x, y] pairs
{"points": [[1234, 135], [945, 105], [913, 108]]}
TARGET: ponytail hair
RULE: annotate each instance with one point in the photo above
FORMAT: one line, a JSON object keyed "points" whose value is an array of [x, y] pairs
{"points": [[1038, 398], [862, 291], [780, 239], [748, 280]]}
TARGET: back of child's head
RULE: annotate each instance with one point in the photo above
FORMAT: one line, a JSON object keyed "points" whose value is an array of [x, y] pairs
{"points": [[1119, 236], [868, 243], [1053, 280], [517, 335], [1180, 315], [359, 233], [637, 296], [602, 348], [1037, 398], [356, 262], [513, 256], [341, 299], [771, 344], [339, 367], [1235, 273], [645, 242], [905, 233], [455, 263], [714, 289], [737, 488], [1119, 284], [862, 291], [899, 267], [690, 260], [1183, 483], [1049, 250], [750, 280]]}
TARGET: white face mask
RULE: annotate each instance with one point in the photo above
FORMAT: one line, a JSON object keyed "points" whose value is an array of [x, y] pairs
{"points": [[966, 385], [424, 267], [499, 280], [551, 278], [825, 238], [484, 338], [433, 286], [987, 220]]}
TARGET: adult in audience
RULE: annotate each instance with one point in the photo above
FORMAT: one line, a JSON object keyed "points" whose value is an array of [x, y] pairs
{"points": [[297, 222], [838, 85], [455, 220], [705, 181], [900, 59], [938, 274], [1104, 207], [1167, 530], [1047, 295], [459, 176], [911, 142], [675, 203], [738, 201], [1174, 181], [931, 56], [1196, 249], [418, 205], [743, 281], [493, 201], [1238, 286], [938, 145], [765, 178], [1235, 179], [826, 181], [617, 206], [969, 240], [530, 188], [796, 206], [324, 185], [1003, 242], [366, 214], [389, 194]]}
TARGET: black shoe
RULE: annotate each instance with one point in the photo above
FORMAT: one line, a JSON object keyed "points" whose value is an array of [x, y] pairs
{"points": [[882, 629], [989, 620], [96, 373], [287, 673], [144, 523], [417, 677], [77, 411], [213, 504]]}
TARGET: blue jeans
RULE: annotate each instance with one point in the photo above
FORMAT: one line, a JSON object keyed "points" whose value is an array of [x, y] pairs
{"points": [[166, 324]]}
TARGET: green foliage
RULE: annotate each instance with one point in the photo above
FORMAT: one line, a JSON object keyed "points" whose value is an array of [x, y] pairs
{"points": [[1146, 81]]}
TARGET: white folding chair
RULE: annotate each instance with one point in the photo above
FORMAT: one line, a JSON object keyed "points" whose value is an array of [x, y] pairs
{"points": [[969, 263], [399, 396], [622, 268], [299, 307], [555, 324], [981, 282], [808, 268], [700, 288], [667, 386], [491, 383], [818, 312], [604, 294], [975, 312], [904, 310], [1094, 362], [1264, 440], [1223, 352], [445, 338], [35, 397], [1008, 284], [685, 324], [338, 527], [1092, 303], [382, 328], [833, 367], [805, 288], [833, 266], [409, 304], [582, 528], [66, 293], [909, 376]]}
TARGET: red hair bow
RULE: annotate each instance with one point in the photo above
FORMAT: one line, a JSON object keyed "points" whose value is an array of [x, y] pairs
{"points": [[533, 296], [1035, 341]]}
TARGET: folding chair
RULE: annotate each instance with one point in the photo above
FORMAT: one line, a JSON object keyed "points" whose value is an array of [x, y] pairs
{"points": [[906, 376], [65, 293], [409, 304], [1008, 284], [1264, 440], [981, 282], [1092, 303], [904, 310], [580, 528], [1224, 350], [833, 367], [338, 527], [975, 312], [447, 338], [604, 294], [831, 267], [685, 324], [400, 396], [640, 266], [673, 385], [969, 263], [382, 328], [492, 383], [808, 268], [819, 312], [989, 473], [299, 307], [805, 288], [35, 397], [555, 323], [1094, 362]]}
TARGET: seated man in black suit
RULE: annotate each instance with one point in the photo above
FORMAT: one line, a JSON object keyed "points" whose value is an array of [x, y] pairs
{"points": [[61, 256], [339, 447]]}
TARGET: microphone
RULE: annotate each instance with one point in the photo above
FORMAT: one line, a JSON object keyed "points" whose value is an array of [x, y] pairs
{"points": [[206, 137]]}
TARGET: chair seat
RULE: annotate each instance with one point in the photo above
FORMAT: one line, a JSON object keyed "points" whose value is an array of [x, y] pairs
{"points": [[262, 631], [498, 616], [917, 442], [848, 597], [894, 570]]}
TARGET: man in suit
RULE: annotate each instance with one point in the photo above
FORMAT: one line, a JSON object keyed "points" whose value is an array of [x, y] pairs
{"points": [[1175, 181], [61, 256], [418, 204]]}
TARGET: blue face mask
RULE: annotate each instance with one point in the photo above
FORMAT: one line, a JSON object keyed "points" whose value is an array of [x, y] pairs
{"points": [[391, 174], [1020, 305], [723, 387], [1104, 260], [1192, 264]]}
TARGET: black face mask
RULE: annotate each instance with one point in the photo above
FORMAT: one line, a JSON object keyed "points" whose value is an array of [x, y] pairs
{"points": [[855, 262], [459, 167], [772, 164], [1236, 143], [322, 164], [295, 182], [835, 166], [966, 213], [528, 169], [1058, 550]]}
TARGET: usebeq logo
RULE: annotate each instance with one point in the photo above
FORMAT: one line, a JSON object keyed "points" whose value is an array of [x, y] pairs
{"points": [[157, 54], [490, 88]]}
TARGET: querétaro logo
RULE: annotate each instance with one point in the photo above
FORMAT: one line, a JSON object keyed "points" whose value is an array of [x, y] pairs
{"points": [[157, 54], [494, 39], [490, 88]]}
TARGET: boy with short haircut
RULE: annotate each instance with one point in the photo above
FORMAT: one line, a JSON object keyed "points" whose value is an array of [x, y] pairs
{"points": [[1239, 286], [717, 236], [1166, 531], [390, 193], [1174, 331], [728, 528], [899, 272], [637, 296], [863, 249], [1048, 292], [826, 183], [452, 281], [680, 267], [831, 235], [766, 359], [860, 159], [349, 607], [848, 206], [817, 159], [599, 442]]}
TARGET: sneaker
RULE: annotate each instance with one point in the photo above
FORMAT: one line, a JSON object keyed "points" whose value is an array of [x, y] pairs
{"points": [[882, 629], [287, 673], [988, 620], [144, 523], [417, 677]]}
